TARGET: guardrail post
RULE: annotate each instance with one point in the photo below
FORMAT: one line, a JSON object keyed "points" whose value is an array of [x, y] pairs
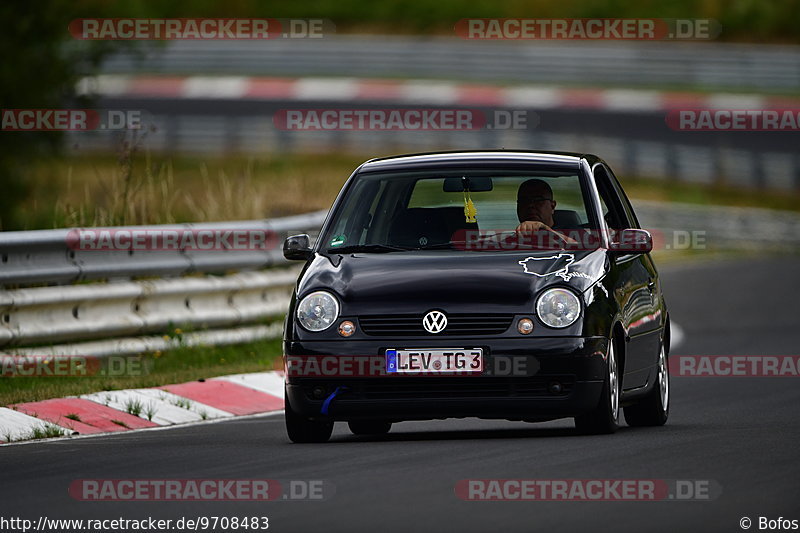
{"points": [[674, 166], [629, 163], [796, 169], [757, 163]]}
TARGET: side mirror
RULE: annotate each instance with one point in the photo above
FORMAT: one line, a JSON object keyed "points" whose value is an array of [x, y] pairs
{"points": [[632, 241], [297, 248]]}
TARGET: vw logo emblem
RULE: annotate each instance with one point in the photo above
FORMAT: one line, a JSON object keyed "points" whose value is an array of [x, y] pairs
{"points": [[434, 322]]}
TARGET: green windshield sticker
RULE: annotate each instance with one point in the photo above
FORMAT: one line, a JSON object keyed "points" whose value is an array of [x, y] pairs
{"points": [[338, 240]]}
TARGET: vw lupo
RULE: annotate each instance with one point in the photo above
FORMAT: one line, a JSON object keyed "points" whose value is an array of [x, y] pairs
{"points": [[494, 284]]}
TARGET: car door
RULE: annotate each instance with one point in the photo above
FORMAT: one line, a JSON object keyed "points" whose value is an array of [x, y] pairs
{"points": [[634, 283], [652, 328]]}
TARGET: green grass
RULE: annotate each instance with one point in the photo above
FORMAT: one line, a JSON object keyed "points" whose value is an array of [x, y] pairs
{"points": [[175, 366], [183, 403], [133, 407], [718, 194], [150, 410], [48, 431]]}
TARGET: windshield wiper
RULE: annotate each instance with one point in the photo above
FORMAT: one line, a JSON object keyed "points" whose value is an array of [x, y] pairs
{"points": [[437, 246], [369, 248]]}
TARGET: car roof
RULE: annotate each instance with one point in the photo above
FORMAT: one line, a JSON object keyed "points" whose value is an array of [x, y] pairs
{"points": [[566, 159]]}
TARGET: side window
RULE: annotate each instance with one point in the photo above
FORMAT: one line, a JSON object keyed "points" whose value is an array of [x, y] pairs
{"points": [[625, 202], [613, 210]]}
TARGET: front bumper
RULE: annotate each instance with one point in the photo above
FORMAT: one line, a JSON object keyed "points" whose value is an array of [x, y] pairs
{"points": [[561, 377]]}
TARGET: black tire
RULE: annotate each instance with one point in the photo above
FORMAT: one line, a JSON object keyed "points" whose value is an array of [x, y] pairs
{"points": [[653, 409], [304, 430], [604, 419], [369, 427]]}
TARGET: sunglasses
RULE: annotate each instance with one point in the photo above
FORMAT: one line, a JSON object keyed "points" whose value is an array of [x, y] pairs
{"points": [[533, 199]]}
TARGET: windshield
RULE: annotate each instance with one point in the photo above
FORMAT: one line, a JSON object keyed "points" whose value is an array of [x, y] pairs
{"points": [[486, 210]]}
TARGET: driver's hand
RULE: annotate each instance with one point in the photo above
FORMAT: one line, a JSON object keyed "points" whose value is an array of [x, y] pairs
{"points": [[530, 226], [533, 226]]}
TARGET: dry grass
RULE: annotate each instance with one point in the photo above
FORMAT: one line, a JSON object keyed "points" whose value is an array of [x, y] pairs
{"points": [[101, 191], [146, 189]]}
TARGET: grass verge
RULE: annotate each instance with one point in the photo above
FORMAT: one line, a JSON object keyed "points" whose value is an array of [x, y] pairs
{"points": [[162, 368], [94, 190], [717, 194], [100, 190]]}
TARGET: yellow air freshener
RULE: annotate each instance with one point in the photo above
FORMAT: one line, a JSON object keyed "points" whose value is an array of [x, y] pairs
{"points": [[470, 211]]}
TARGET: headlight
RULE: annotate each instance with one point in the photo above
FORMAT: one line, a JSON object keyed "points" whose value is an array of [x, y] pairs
{"points": [[318, 311], [558, 308]]}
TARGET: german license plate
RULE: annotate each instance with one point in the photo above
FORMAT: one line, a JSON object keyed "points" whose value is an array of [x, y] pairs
{"points": [[434, 360]]}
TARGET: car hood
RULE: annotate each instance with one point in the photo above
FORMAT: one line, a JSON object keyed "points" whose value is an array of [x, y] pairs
{"points": [[413, 282]]}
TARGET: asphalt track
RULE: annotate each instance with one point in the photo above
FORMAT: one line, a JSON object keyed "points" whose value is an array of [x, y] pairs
{"points": [[742, 433]]}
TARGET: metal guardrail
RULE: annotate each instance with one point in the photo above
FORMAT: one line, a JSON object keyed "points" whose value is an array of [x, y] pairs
{"points": [[721, 227], [78, 312], [121, 308], [28, 257], [117, 317], [750, 67]]}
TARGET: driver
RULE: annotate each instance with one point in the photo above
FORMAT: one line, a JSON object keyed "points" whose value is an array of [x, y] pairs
{"points": [[535, 207]]}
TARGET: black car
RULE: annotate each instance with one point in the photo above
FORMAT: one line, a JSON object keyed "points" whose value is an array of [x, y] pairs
{"points": [[495, 284]]}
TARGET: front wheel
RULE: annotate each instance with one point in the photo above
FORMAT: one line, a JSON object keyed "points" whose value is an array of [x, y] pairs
{"points": [[302, 429], [653, 409], [604, 418]]}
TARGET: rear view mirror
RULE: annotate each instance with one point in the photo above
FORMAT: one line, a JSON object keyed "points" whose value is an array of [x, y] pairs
{"points": [[632, 241], [471, 184], [297, 248]]}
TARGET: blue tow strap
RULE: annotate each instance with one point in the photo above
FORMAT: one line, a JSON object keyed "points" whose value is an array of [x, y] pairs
{"points": [[327, 403]]}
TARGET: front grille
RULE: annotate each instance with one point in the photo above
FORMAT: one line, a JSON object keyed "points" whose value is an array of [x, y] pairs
{"points": [[457, 324], [397, 388]]}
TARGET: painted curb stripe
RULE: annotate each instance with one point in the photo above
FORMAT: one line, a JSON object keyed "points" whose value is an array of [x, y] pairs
{"points": [[480, 95], [158, 406], [16, 425], [157, 86], [270, 88], [227, 396], [217, 398], [422, 92], [379, 90], [266, 382], [95, 418]]}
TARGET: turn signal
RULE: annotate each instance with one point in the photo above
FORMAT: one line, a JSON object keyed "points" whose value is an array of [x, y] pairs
{"points": [[525, 326], [347, 328]]}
